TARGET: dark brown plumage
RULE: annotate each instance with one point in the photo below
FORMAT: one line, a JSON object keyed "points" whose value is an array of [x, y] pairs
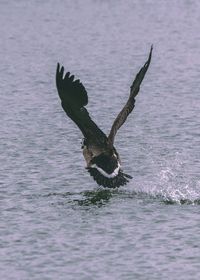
{"points": [[103, 162]]}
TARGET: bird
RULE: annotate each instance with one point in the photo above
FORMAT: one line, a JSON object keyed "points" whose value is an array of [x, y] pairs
{"points": [[102, 159]]}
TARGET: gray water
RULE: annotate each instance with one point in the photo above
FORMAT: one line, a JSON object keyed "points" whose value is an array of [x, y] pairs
{"points": [[55, 222]]}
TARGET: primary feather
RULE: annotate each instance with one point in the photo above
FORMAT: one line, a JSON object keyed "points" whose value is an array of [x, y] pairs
{"points": [[130, 104]]}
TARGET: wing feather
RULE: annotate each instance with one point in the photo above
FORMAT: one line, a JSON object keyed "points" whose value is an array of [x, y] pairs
{"points": [[74, 97], [127, 109]]}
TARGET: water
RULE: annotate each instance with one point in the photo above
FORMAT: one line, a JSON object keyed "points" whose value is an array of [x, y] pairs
{"points": [[55, 221]]}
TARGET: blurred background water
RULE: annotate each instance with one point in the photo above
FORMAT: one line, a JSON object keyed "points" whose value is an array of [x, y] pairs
{"points": [[55, 222]]}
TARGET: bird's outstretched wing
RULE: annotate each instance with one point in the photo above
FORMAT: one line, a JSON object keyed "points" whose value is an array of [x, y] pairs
{"points": [[74, 97], [135, 87]]}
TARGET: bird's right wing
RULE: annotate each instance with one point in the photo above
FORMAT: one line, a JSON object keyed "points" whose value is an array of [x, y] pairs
{"points": [[127, 109], [74, 97]]}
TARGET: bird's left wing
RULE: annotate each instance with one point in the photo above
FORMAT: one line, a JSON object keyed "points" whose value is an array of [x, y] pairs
{"points": [[127, 109], [74, 97]]}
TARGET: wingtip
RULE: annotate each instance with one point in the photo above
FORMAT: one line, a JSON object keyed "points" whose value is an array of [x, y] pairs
{"points": [[62, 71], [151, 49], [59, 71], [149, 58]]}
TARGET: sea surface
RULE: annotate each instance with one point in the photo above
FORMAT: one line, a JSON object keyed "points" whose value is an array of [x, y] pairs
{"points": [[55, 222]]}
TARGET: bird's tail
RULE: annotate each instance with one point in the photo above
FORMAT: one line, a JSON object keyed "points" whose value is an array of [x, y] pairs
{"points": [[120, 180]]}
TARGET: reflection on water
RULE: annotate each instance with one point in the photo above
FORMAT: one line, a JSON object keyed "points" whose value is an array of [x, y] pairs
{"points": [[99, 197]]}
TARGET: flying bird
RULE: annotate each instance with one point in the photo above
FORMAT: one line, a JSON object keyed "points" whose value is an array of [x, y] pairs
{"points": [[102, 159]]}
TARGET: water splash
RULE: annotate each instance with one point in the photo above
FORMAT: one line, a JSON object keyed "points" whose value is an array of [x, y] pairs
{"points": [[173, 184]]}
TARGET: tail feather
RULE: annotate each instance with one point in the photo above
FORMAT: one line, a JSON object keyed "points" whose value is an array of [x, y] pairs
{"points": [[120, 180]]}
